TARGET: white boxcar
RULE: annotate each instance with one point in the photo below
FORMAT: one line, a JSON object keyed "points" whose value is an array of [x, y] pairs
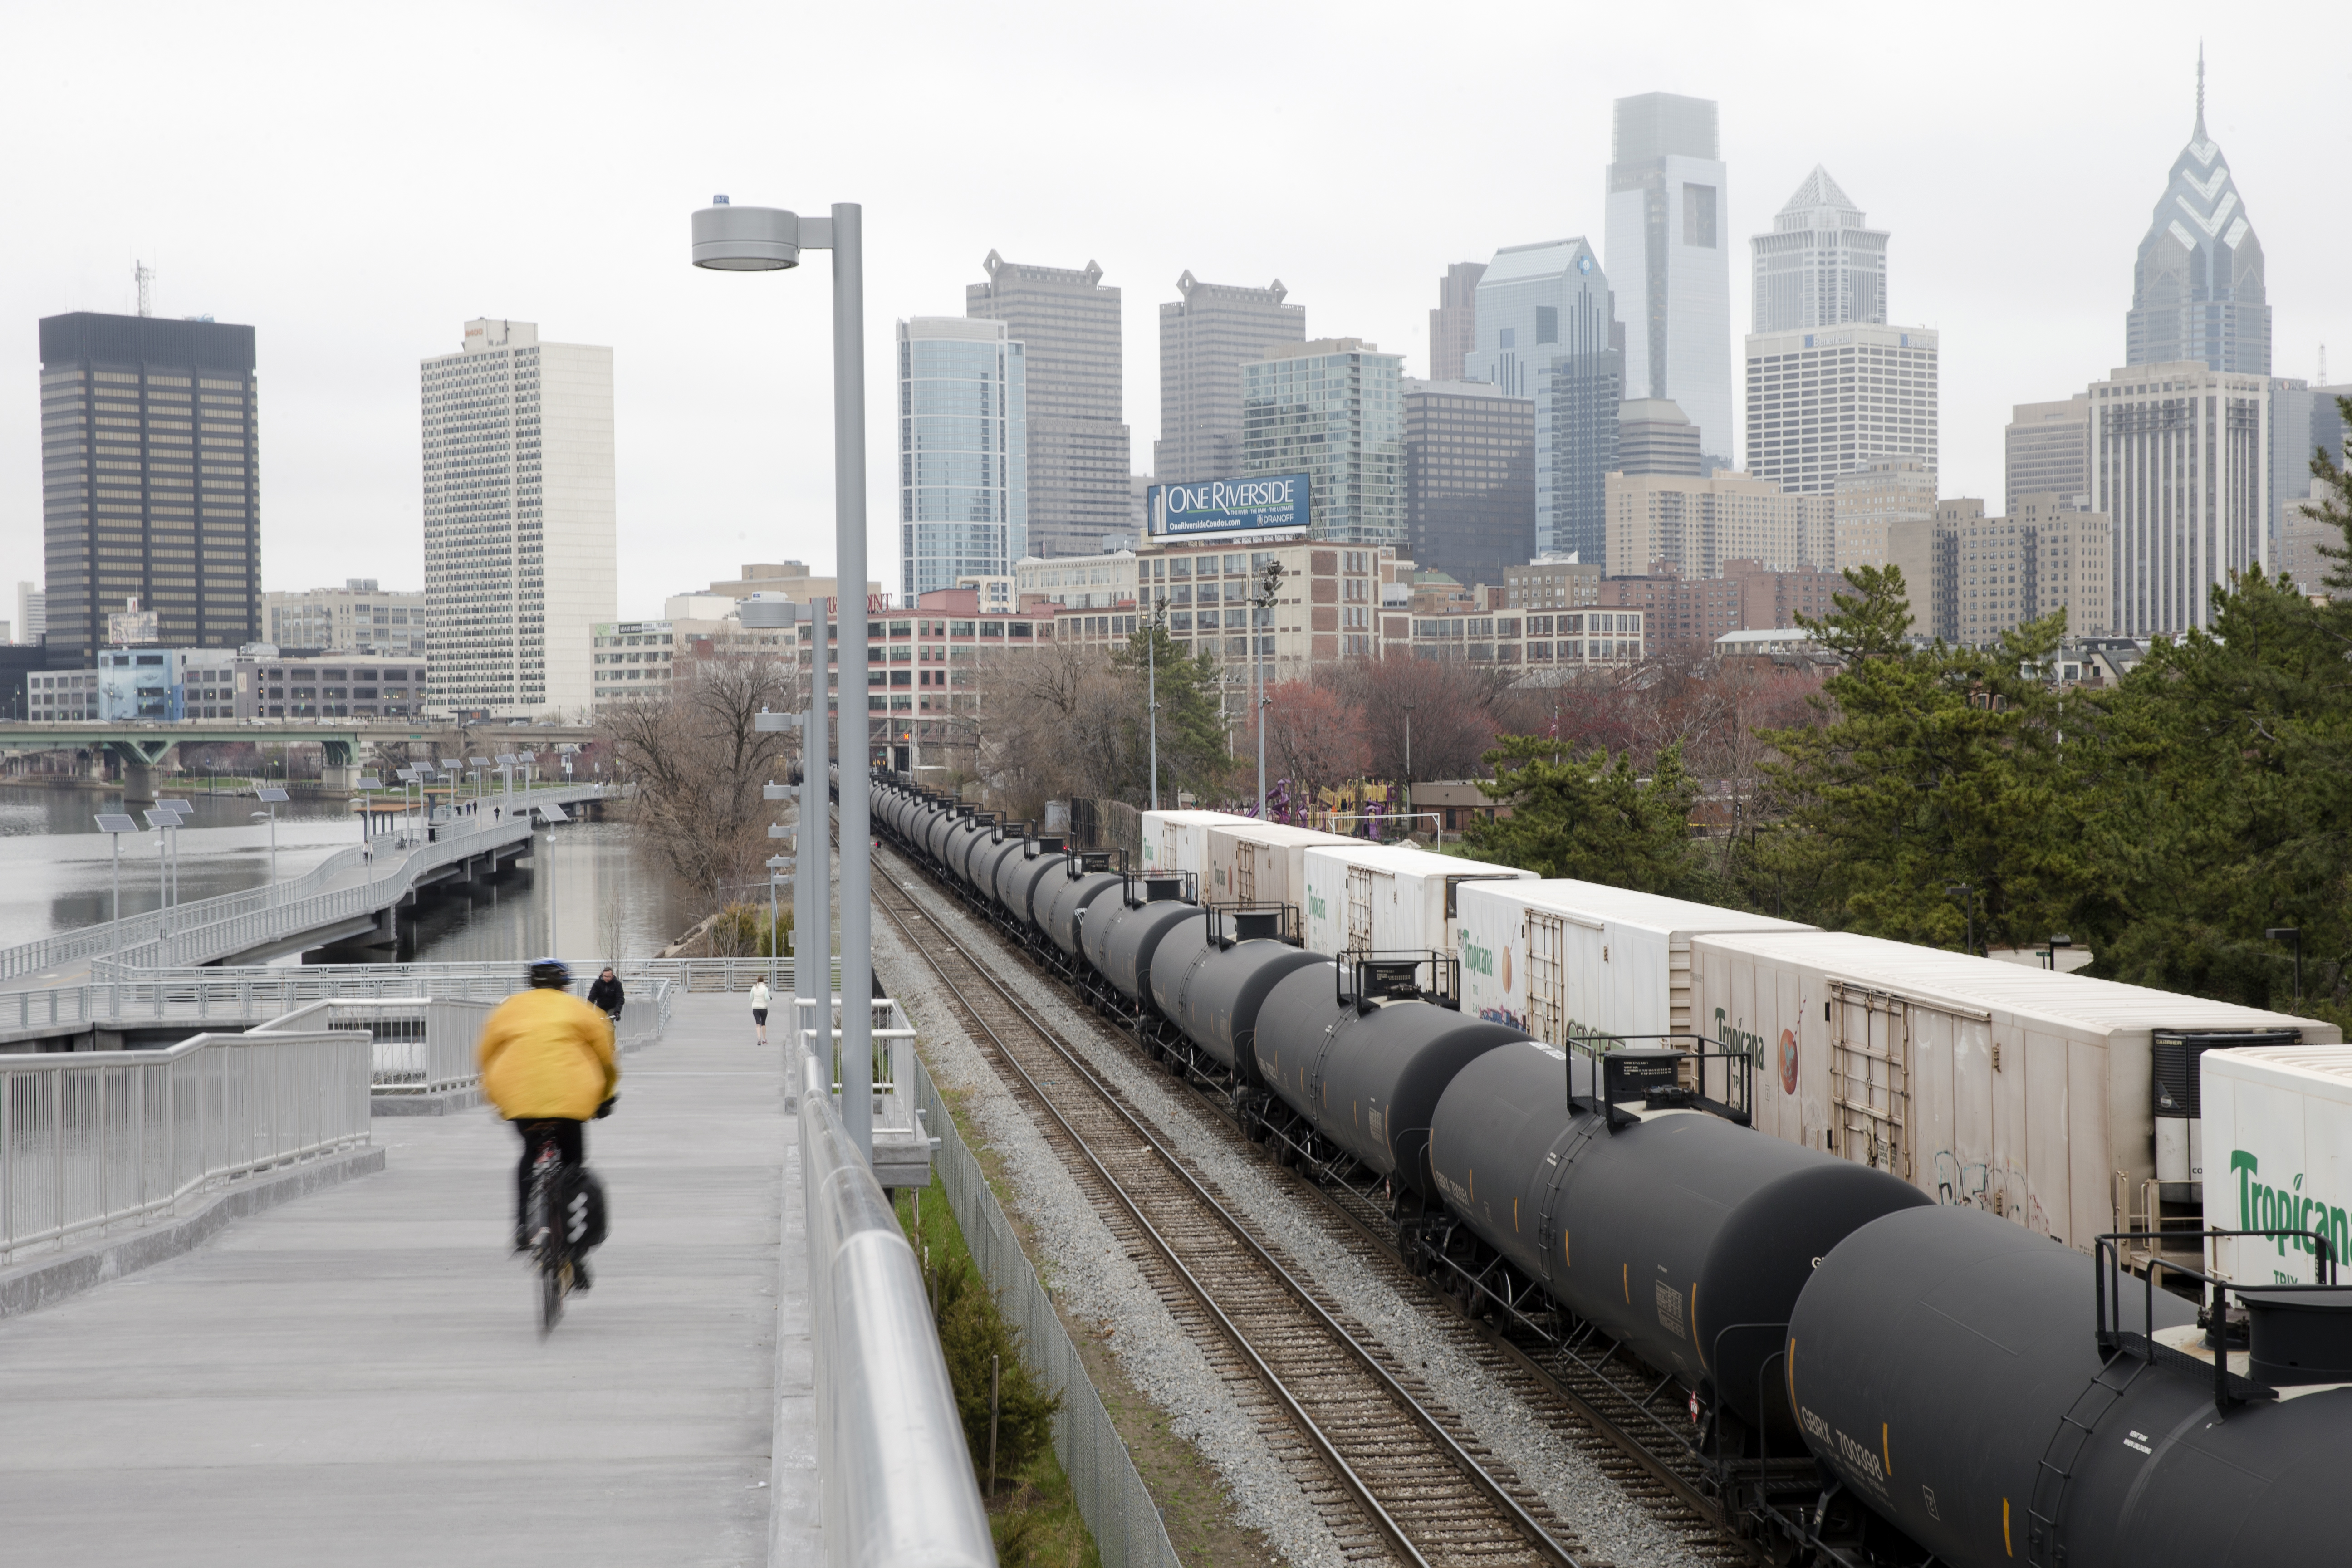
{"points": [[1567, 960], [1253, 862], [2278, 1124], [1178, 840], [2025, 1093], [1389, 897]]}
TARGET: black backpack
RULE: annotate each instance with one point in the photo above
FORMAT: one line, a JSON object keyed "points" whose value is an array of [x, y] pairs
{"points": [[586, 1220]]}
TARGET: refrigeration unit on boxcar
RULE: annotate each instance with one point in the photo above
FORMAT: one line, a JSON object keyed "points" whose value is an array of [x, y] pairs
{"points": [[2028, 1094]]}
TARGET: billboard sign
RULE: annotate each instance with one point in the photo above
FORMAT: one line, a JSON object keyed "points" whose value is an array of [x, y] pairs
{"points": [[1263, 503]]}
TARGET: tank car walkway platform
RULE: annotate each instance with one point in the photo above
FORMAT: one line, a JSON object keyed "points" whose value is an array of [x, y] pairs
{"points": [[357, 1377]]}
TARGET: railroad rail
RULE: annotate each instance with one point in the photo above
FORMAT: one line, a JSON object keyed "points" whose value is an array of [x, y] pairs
{"points": [[1395, 1473], [1596, 1401]]}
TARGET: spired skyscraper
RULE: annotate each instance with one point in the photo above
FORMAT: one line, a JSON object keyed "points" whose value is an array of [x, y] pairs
{"points": [[2197, 288], [1668, 261], [1820, 267]]}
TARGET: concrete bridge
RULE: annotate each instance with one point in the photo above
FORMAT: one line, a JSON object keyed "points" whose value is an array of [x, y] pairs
{"points": [[141, 748]]}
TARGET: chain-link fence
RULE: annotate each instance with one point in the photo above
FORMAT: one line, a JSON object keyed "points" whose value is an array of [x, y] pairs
{"points": [[1112, 1496]]}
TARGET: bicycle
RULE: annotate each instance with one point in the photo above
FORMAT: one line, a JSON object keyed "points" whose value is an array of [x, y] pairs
{"points": [[556, 1219]]}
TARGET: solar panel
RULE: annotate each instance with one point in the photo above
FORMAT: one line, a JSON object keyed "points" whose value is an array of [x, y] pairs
{"points": [[161, 819], [116, 822], [552, 813], [507, 759], [480, 762], [370, 781], [271, 793], [406, 775]]}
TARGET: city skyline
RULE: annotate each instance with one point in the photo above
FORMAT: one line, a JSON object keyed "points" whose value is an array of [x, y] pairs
{"points": [[342, 470]]}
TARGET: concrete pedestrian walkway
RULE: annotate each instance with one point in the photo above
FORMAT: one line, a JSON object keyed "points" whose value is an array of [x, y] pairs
{"points": [[357, 1378]]}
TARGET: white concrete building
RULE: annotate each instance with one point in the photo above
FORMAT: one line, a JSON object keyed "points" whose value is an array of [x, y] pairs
{"points": [[519, 520], [1822, 404], [2180, 467], [1694, 525]]}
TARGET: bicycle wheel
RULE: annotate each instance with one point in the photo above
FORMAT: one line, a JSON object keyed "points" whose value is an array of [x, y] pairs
{"points": [[550, 1253]]}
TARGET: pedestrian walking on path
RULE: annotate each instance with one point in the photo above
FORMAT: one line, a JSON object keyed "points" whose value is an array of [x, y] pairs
{"points": [[760, 1008]]}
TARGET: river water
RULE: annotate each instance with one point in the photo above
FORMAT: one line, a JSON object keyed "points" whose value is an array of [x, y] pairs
{"points": [[587, 890]]}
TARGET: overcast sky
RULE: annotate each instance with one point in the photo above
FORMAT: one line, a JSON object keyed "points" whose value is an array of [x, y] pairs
{"points": [[357, 181]]}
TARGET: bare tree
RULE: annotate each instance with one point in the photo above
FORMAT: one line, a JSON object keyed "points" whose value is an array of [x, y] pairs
{"points": [[698, 758]]}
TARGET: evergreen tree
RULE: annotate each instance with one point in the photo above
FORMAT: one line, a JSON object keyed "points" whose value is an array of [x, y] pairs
{"points": [[1590, 817], [1940, 768]]}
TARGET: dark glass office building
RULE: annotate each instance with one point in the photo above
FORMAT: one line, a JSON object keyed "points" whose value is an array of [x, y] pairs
{"points": [[1469, 478], [150, 480]]}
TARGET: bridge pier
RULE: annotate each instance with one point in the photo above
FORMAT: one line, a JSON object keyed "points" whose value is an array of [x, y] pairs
{"points": [[339, 778], [137, 783]]}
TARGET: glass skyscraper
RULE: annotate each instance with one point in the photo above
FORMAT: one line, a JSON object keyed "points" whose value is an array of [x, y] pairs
{"points": [[1668, 261], [2197, 288], [964, 451], [1547, 330], [1334, 410]]}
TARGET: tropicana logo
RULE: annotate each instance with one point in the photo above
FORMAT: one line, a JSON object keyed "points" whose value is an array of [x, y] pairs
{"points": [[1476, 959], [2265, 1207]]}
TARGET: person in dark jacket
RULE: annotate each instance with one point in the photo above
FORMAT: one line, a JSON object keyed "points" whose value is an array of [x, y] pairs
{"points": [[607, 997]]}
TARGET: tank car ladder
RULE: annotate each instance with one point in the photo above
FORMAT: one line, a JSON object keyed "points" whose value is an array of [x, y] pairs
{"points": [[2043, 1549]]}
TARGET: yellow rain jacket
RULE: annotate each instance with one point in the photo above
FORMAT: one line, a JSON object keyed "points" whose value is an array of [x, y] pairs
{"points": [[546, 1053]]}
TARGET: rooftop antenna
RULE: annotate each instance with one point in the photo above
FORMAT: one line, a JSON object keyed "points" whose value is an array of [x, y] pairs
{"points": [[146, 277], [2322, 380], [2200, 87]]}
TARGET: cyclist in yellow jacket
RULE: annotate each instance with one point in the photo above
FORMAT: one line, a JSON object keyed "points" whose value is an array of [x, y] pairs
{"points": [[547, 1064]]}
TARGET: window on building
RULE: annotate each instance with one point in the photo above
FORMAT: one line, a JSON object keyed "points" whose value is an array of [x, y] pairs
{"points": [[1698, 216]]}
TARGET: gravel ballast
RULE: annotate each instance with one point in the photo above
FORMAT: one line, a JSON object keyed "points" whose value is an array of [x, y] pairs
{"points": [[1100, 1288]]}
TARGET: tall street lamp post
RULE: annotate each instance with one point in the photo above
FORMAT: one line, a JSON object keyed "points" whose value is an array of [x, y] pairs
{"points": [[1966, 893], [115, 825], [1262, 604], [729, 238], [1151, 691]]}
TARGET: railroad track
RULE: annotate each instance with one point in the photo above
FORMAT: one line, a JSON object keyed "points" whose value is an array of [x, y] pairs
{"points": [[1395, 1475], [1593, 1411]]}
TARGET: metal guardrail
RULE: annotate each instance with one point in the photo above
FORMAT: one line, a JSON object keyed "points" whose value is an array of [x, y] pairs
{"points": [[1110, 1495], [896, 1480], [200, 995], [211, 928], [89, 1140], [422, 1044]]}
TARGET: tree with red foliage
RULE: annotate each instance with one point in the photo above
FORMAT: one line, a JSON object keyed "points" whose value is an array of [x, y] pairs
{"points": [[1312, 737]]}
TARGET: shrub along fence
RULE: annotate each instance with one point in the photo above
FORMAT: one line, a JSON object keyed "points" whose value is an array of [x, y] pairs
{"points": [[1112, 1496]]}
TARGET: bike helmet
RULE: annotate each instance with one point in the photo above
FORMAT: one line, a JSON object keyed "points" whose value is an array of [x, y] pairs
{"points": [[552, 973]]}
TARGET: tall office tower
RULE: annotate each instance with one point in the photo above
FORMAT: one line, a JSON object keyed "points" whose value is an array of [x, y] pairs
{"points": [[1205, 338], [1819, 267], [150, 489], [1068, 326], [2298, 535], [1469, 478], [1667, 259], [1655, 437], [32, 612], [2197, 288], [1825, 403], [1547, 330], [2047, 449], [2180, 467], [1453, 325], [519, 521], [1870, 500], [963, 452], [1332, 409]]}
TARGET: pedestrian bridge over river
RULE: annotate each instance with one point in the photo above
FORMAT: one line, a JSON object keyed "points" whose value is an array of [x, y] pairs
{"points": [[245, 1322]]}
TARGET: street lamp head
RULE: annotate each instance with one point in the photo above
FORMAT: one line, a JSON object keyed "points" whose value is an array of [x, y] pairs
{"points": [[729, 239]]}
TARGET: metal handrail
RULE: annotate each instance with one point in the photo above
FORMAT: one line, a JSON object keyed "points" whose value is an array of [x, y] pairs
{"points": [[95, 1139], [199, 996], [895, 1476]]}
